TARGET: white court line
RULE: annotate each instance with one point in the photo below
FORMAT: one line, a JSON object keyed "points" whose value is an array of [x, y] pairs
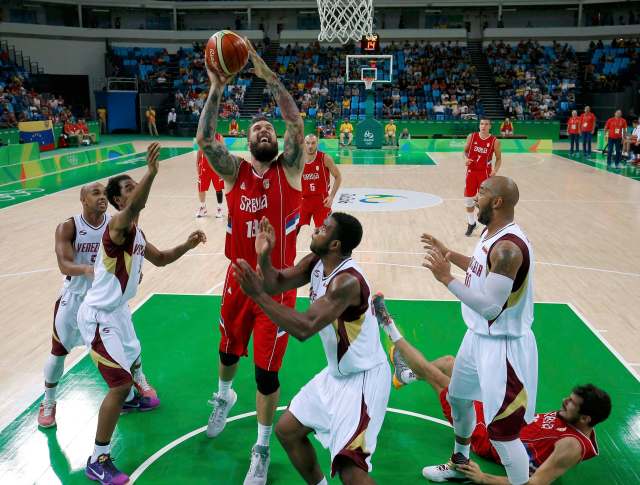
{"points": [[214, 288], [168, 447], [39, 394], [622, 360], [23, 273]]}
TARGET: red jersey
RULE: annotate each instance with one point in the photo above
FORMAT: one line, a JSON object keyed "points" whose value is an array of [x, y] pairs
{"points": [[481, 152], [316, 178], [203, 164], [254, 196], [614, 127], [587, 122], [573, 125]]}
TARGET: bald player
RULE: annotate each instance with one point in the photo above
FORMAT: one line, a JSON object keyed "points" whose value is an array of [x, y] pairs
{"points": [[497, 363], [76, 243], [317, 191]]}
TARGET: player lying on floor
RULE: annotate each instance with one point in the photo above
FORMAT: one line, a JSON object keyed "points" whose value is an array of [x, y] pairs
{"points": [[556, 441]]}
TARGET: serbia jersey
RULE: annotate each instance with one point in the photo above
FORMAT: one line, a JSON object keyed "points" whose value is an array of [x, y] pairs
{"points": [[352, 341], [516, 316], [86, 243], [254, 196], [481, 152], [316, 177], [117, 271]]}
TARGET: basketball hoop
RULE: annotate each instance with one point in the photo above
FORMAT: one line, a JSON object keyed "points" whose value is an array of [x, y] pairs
{"points": [[345, 20], [368, 82]]}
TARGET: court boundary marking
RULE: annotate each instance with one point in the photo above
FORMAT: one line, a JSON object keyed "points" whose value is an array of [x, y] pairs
{"points": [[137, 473]]}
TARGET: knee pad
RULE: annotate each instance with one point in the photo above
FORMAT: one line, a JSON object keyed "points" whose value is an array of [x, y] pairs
{"points": [[267, 381], [469, 202], [228, 359]]}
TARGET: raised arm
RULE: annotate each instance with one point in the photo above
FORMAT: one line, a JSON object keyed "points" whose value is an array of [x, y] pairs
{"points": [[293, 155], [279, 281], [168, 256], [343, 292], [497, 150], [223, 163], [121, 222], [337, 179], [460, 260], [64, 251]]}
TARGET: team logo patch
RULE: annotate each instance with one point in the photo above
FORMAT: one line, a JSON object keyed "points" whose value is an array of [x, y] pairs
{"points": [[265, 184], [83, 232], [242, 186], [383, 200]]}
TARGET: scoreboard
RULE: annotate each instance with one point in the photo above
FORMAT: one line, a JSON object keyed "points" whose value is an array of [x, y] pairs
{"points": [[370, 44]]}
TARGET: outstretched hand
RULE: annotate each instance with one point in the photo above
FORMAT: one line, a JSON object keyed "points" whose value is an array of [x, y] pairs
{"points": [[260, 67], [153, 155], [251, 282], [216, 78], [195, 238], [265, 239], [431, 242], [439, 266]]}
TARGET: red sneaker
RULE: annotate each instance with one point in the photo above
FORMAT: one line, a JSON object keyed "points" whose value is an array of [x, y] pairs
{"points": [[47, 414]]}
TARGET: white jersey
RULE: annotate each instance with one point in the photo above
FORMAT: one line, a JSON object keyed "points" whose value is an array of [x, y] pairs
{"points": [[352, 341], [117, 271], [516, 316], [86, 242]]}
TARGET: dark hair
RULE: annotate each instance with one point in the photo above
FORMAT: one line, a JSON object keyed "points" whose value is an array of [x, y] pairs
{"points": [[348, 231], [596, 403], [113, 188], [484, 118], [258, 117]]}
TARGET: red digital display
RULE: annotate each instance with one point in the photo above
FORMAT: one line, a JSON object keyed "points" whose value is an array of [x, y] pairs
{"points": [[370, 43]]}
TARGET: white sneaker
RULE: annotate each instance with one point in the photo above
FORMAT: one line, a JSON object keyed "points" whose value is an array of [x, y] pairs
{"points": [[221, 408], [259, 468], [446, 472], [201, 212], [219, 213]]}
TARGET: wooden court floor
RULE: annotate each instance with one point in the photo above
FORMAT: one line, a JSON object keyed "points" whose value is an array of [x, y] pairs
{"points": [[584, 225]]}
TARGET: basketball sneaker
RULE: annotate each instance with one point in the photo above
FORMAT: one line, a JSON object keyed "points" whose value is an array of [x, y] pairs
{"points": [[47, 414], [219, 214], [148, 395], [105, 472], [447, 472], [201, 212], [257, 474], [382, 314], [470, 229], [221, 408], [402, 374]]}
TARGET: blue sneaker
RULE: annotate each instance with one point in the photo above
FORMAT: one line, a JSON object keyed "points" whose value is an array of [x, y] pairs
{"points": [[105, 472], [140, 403]]}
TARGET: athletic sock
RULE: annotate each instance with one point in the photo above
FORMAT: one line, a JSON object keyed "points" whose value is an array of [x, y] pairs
{"points": [[471, 218], [224, 387], [264, 434], [464, 449], [392, 331], [50, 393], [100, 450]]}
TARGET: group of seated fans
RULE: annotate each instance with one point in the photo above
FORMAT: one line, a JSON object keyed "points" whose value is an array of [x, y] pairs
{"points": [[613, 67], [19, 102], [430, 81], [536, 82]]}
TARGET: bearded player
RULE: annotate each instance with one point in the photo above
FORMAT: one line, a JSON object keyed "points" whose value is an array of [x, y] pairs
{"points": [[268, 185], [556, 441], [479, 149], [317, 191]]}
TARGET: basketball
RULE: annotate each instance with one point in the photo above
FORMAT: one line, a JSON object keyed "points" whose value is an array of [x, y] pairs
{"points": [[226, 52]]}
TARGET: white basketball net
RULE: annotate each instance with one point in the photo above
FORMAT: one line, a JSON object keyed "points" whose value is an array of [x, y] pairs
{"points": [[345, 20]]}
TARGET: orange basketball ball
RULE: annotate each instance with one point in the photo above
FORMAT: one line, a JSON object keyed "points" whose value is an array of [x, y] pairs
{"points": [[226, 52]]}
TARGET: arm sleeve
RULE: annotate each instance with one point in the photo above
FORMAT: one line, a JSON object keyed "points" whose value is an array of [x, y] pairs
{"points": [[489, 302]]}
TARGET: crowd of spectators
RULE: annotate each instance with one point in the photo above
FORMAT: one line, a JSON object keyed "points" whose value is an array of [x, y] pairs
{"points": [[536, 82], [19, 102], [612, 67]]}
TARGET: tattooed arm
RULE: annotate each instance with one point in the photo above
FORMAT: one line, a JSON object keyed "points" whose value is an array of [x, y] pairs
{"points": [[293, 155], [223, 163]]}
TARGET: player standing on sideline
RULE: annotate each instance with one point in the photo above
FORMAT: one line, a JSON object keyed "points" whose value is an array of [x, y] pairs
{"points": [[266, 186], [206, 177], [497, 362], [573, 130], [478, 152], [316, 183], [344, 404], [587, 129], [556, 441], [104, 318]]}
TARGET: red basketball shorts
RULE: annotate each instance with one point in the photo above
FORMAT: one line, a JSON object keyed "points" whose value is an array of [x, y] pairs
{"points": [[206, 177], [240, 317], [313, 207], [474, 180]]}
